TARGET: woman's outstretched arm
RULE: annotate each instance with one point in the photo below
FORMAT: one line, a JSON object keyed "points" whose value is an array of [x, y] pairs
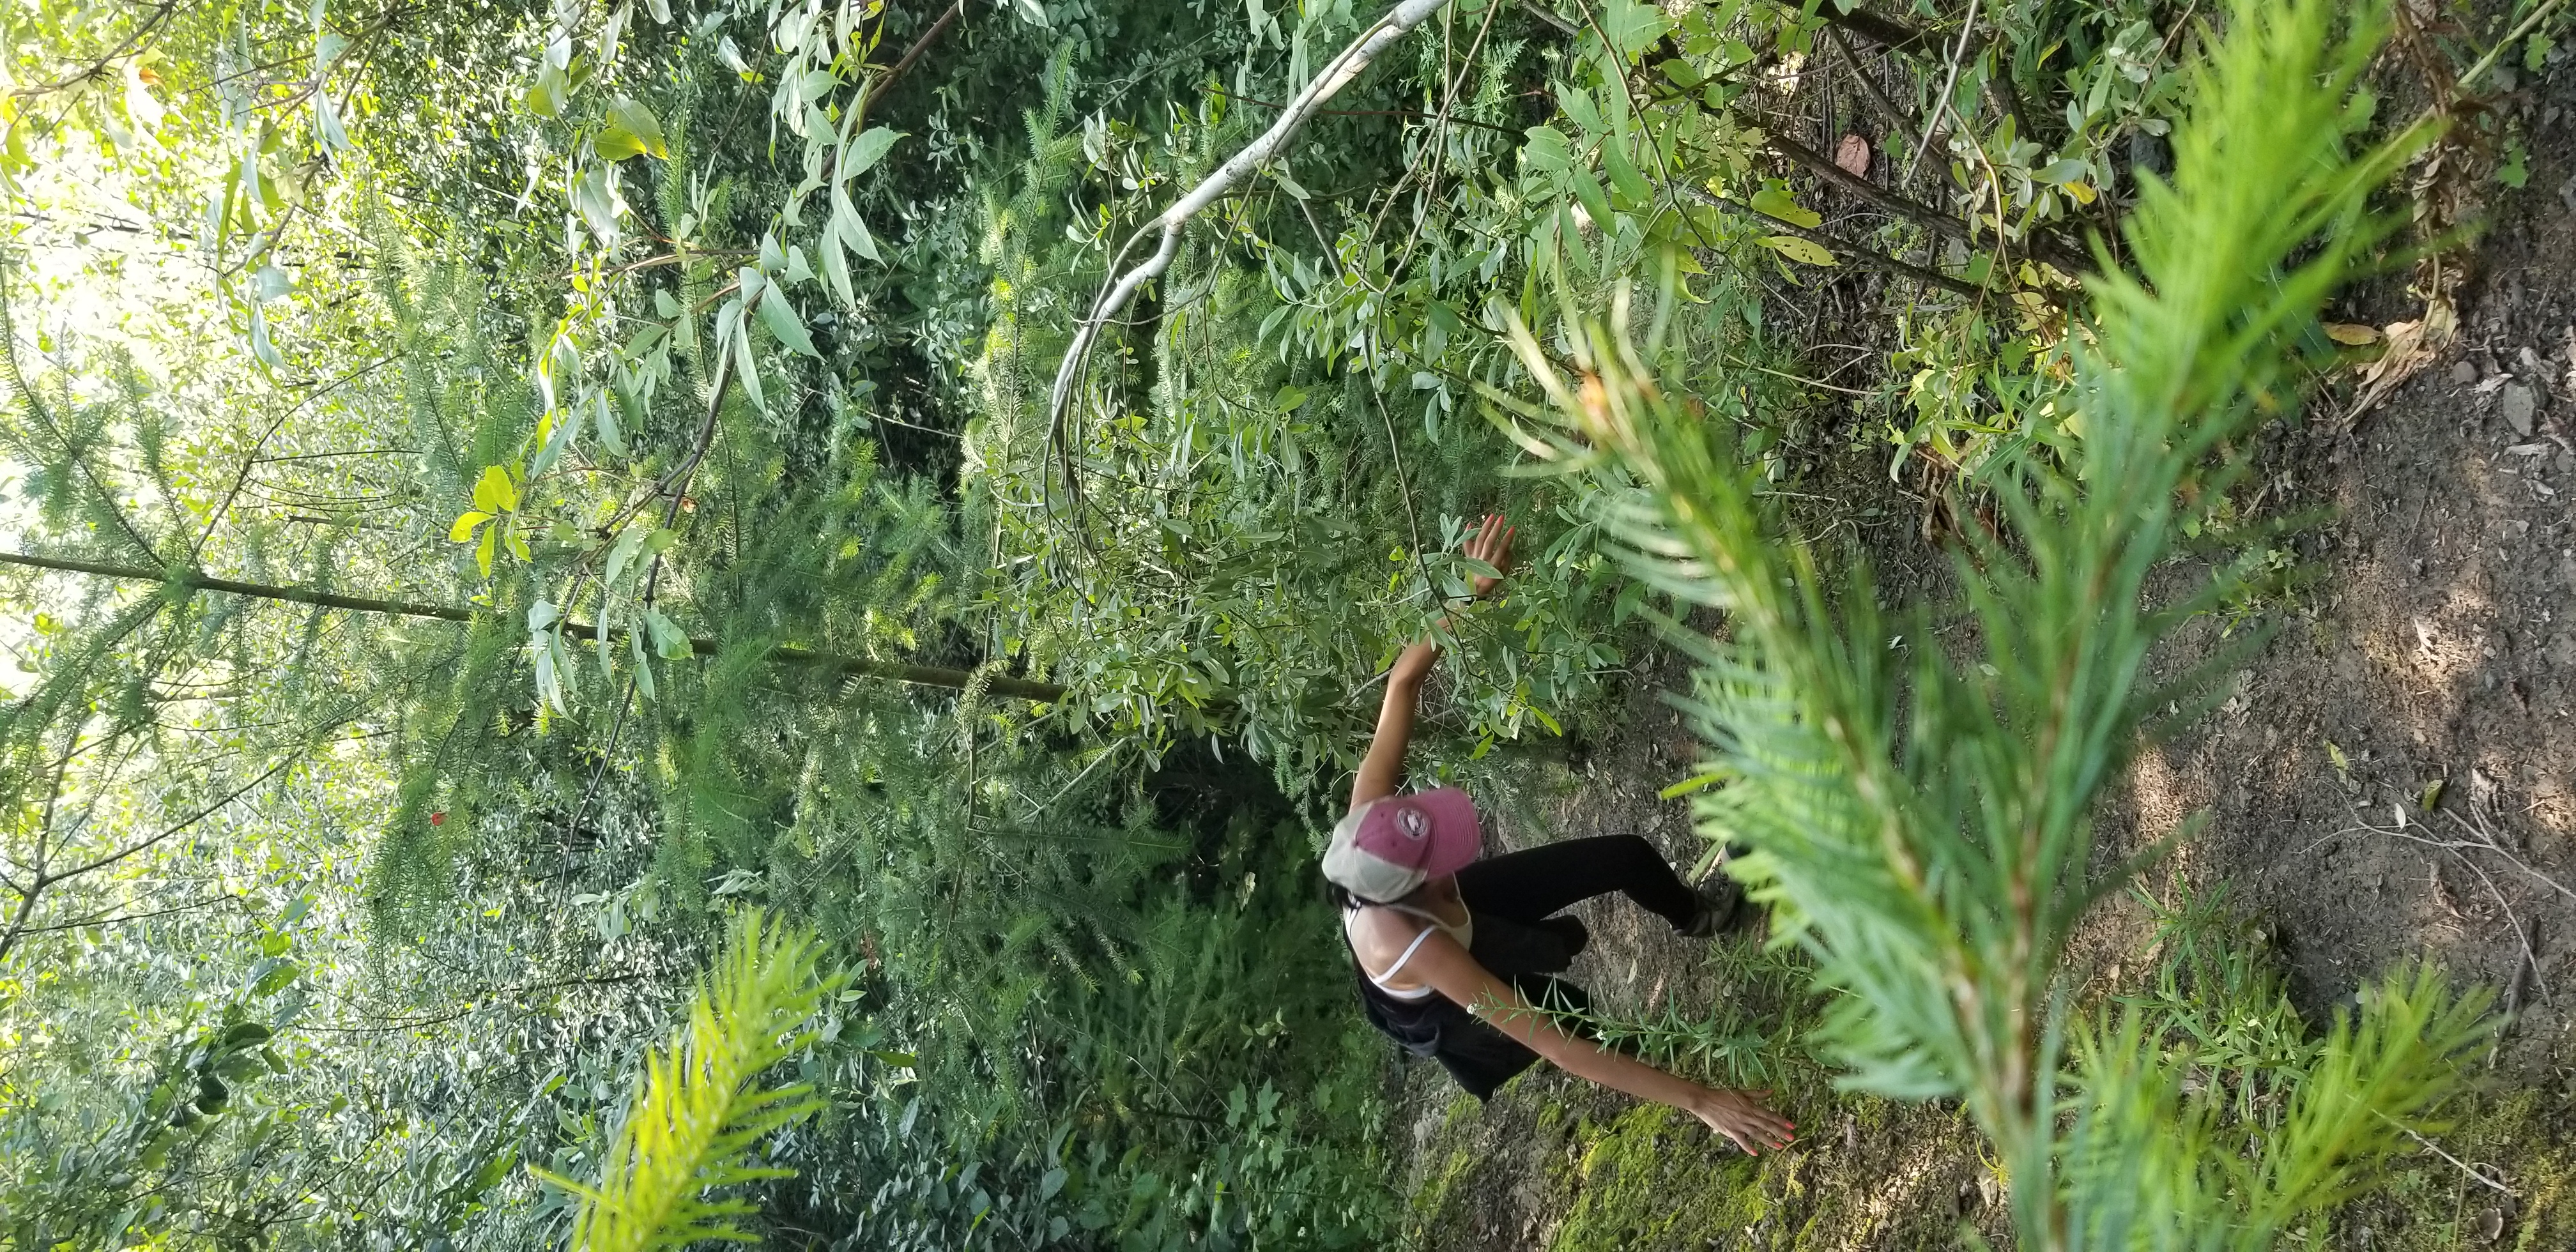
{"points": [[1739, 1115], [1383, 768]]}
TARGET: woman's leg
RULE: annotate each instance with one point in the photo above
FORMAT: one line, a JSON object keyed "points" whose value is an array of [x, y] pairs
{"points": [[1531, 884]]}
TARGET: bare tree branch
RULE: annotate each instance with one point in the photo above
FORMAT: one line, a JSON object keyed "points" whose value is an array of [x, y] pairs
{"points": [[912, 54], [1114, 298], [851, 666]]}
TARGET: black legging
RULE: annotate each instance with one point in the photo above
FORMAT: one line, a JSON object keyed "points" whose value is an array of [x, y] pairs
{"points": [[1511, 898], [1529, 885]]}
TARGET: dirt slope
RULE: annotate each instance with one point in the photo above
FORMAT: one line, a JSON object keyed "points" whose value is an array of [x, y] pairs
{"points": [[2436, 644]]}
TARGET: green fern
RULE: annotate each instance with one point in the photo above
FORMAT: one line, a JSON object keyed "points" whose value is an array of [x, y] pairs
{"points": [[699, 1106]]}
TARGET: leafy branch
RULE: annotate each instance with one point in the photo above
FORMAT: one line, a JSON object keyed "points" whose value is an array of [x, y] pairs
{"points": [[1114, 298], [700, 1107]]}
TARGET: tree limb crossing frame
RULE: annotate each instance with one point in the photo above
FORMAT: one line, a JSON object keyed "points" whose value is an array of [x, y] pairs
{"points": [[1336, 74]]}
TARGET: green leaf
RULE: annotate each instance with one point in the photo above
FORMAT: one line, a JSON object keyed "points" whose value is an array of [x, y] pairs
{"points": [[1595, 201], [865, 149], [1547, 151], [463, 530], [545, 97], [604, 417], [277, 977], [1632, 25], [742, 361], [669, 641], [616, 143], [1804, 251], [836, 266], [1630, 184], [2065, 171], [1774, 202], [622, 553], [2516, 169], [592, 200], [494, 492], [780, 317], [853, 231], [642, 665], [1697, 782]]}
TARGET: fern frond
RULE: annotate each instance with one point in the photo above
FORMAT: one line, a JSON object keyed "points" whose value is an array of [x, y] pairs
{"points": [[699, 1107]]}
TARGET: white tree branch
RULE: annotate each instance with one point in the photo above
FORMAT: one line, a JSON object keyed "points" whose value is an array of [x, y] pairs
{"points": [[1114, 298]]}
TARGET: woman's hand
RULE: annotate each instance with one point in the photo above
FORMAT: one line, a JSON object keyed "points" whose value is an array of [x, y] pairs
{"points": [[1742, 1117], [1491, 543]]}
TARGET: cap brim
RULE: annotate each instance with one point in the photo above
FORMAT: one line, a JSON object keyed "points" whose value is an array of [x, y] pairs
{"points": [[1456, 837]]}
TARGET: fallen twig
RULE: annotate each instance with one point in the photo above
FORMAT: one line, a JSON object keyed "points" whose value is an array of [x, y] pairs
{"points": [[2436, 1149]]}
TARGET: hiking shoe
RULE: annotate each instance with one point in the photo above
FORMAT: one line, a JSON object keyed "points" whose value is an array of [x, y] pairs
{"points": [[1721, 906]]}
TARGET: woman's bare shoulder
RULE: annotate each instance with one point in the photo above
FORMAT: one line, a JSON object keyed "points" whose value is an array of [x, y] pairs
{"points": [[1378, 933]]}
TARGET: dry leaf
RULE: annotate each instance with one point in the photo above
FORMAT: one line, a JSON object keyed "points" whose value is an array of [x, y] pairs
{"points": [[2350, 334], [1853, 156], [2411, 347]]}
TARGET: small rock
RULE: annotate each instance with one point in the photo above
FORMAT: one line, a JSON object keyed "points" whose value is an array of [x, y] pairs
{"points": [[2516, 403], [2465, 373], [2153, 155]]}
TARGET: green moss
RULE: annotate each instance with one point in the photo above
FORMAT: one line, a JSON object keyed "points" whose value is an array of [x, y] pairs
{"points": [[1652, 1179], [2428, 1203], [1440, 1201]]}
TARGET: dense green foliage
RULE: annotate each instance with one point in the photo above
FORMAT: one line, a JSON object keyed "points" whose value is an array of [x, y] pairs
{"points": [[1923, 821], [514, 489]]}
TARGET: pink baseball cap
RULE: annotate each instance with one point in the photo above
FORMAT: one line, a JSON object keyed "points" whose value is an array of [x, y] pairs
{"points": [[1391, 845]]}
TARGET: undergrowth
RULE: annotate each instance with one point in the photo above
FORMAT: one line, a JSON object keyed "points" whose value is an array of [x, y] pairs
{"points": [[1869, 1172]]}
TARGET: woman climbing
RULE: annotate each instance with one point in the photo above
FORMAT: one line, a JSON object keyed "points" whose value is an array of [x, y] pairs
{"points": [[1456, 956]]}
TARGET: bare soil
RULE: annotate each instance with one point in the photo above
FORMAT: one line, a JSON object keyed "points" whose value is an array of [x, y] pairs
{"points": [[2430, 652]]}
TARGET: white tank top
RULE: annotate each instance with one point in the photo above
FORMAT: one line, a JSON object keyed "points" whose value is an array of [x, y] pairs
{"points": [[1464, 933]]}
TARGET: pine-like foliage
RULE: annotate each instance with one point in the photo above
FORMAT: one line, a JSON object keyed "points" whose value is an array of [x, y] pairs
{"points": [[699, 1106], [1924, 821]]}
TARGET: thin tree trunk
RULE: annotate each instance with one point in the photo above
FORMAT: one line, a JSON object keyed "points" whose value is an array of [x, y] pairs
{"points": [[849, 666]]}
